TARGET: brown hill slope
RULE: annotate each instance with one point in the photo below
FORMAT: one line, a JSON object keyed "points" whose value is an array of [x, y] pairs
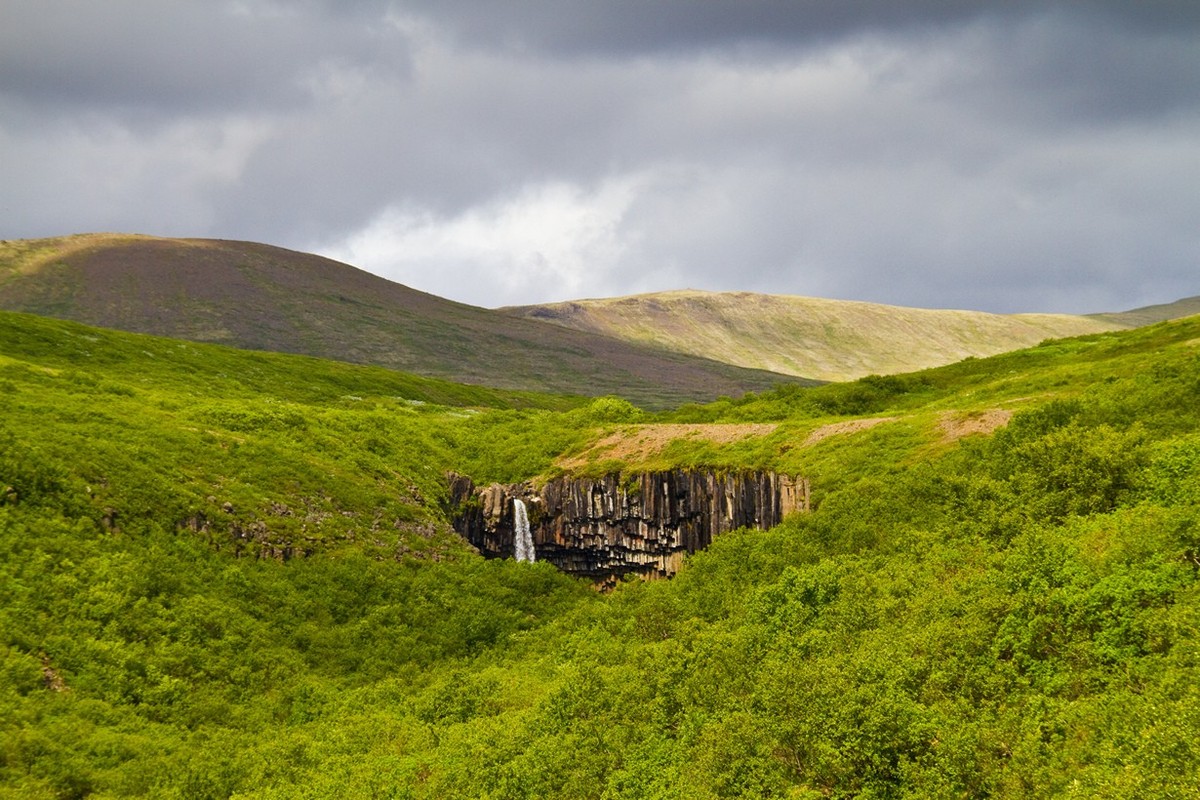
{"points": [[260, 297], [1148, 315], [827, 339]]}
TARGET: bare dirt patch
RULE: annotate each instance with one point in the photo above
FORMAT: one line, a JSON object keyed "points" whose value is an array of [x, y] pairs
{"points": [[955, 425], [849, 426], [639, 442]]}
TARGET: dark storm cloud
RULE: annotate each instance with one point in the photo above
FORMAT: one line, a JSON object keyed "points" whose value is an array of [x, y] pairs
{"points": [[622, 27], [181, 57], [1005, 156], [1080, 69]]}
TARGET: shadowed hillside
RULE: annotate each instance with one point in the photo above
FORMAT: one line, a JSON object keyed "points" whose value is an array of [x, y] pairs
{"points": [[824, 339], [260, 297]]}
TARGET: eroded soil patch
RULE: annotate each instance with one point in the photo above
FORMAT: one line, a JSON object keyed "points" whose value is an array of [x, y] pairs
{"points": [[955, 425], [639, 442], [849, 426]]}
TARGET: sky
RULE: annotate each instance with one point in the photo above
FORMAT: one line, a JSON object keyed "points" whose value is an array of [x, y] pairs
{"points": [[1007, 156]]}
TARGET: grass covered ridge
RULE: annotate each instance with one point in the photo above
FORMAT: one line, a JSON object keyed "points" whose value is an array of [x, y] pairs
{"points": [[996, 595]]}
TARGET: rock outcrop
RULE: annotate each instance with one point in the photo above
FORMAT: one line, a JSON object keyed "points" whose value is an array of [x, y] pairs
{"points": [[608, 527]]}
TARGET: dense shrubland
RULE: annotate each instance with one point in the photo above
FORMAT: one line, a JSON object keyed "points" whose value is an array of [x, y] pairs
{"points": [[1007, 615]]}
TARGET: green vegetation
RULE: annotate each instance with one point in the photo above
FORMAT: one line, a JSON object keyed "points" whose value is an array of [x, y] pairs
{"points": [[968, 612], [259, 297]]}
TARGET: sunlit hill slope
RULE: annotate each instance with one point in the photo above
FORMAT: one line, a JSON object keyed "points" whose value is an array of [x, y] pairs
{"points": [[830, 340]]}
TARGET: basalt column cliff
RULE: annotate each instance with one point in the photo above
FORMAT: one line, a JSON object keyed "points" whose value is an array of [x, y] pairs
{"points": [[620, 524]]}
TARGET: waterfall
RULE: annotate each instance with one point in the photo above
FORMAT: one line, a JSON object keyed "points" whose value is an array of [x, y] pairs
{"points": [[522, 538]]}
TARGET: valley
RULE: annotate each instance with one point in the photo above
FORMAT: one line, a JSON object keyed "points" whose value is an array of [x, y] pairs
{"points": [[227, 572]]}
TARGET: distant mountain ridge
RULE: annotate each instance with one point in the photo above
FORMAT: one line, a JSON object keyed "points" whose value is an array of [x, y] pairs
{"points": [[260, 297], [657, 349], [832, 340], [1148, 315]]}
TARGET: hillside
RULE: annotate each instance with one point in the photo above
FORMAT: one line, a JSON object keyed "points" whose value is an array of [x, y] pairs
{"points": [[259, 297], [230, 574], [830, 340], [1148, 315]]}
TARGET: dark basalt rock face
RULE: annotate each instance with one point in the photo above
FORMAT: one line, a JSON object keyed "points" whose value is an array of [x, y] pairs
{"points": [[608, 527]]}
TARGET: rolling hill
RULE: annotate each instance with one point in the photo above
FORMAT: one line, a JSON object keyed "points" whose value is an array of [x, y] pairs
{"points": [[1148, 315], [259, 297], [657, 350], [831, 340]]}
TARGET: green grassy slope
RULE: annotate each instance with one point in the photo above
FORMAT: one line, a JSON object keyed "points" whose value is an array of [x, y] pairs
{"points": [[981, 605], [833, 340], [263, 452], [267, 298]]}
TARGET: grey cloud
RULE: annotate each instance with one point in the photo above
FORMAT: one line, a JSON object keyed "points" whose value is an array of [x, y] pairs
{"points": [[624, 27], [1056, 70], [148, 58], [476, 128]]}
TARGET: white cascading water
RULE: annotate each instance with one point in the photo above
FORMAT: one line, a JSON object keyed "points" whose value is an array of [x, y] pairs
{"points": [[522, 538]]}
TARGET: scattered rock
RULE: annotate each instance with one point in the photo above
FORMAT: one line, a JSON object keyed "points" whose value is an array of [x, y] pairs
{"points": [[51, 679]]}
